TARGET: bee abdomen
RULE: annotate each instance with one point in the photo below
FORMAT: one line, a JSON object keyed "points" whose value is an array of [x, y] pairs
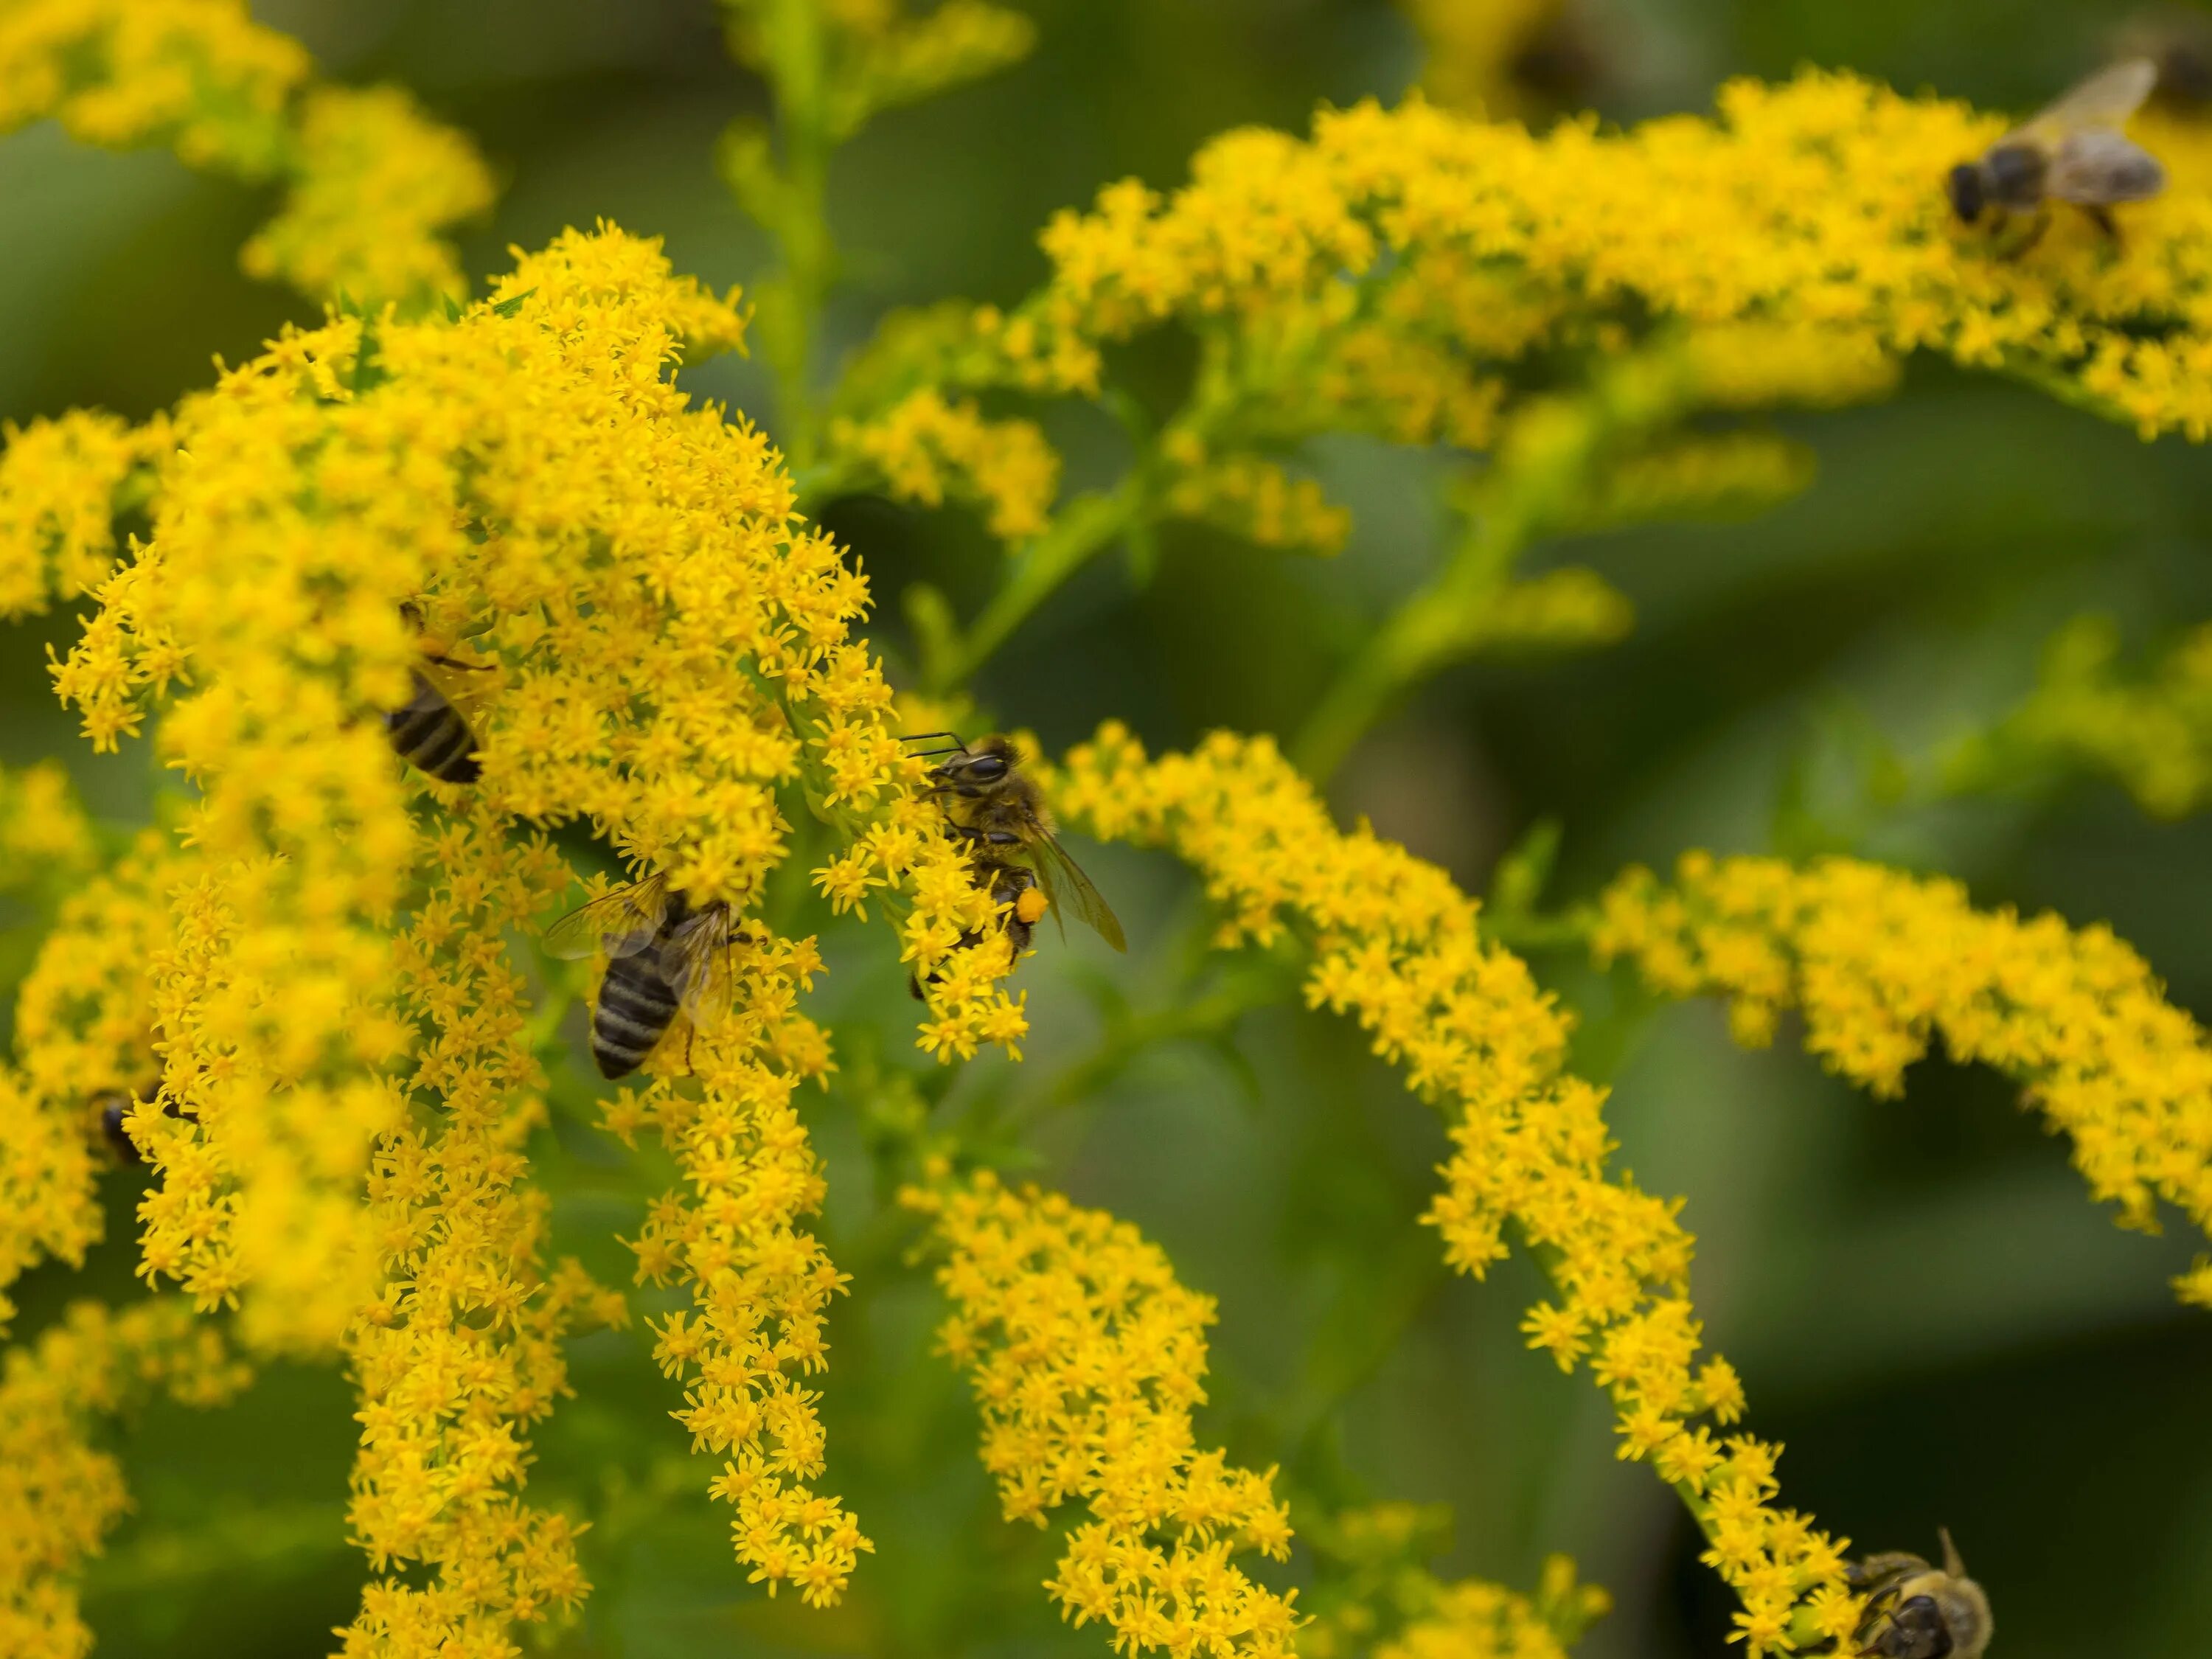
{"points": [[429, 734], [636, 1007]]}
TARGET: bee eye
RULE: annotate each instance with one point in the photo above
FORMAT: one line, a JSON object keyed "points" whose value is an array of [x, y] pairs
{"points": [[987, 768]]}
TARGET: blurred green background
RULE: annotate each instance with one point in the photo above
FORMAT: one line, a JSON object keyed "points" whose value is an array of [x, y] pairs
{"points": [[1926, 1308]]}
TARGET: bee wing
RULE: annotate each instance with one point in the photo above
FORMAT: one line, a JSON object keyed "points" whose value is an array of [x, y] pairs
{"points": [[2102, 166], [697, 962], [1878, 1573], [460, 683], [1064, 884], [2106, 99], [622, 924]]}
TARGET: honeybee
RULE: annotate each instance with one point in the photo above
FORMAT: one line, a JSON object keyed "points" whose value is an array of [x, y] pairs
{"points": [[1915, 1612], [2074, 151], [110, 1107], [429, 732], [995, 805], [664, 955]]}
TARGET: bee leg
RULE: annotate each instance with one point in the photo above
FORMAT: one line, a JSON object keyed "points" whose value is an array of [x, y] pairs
{"points": [[2036, 227], [449, 662], [2101, 216]]}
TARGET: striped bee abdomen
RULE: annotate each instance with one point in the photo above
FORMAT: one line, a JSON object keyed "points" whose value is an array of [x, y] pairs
{"points": [[429, 732], [636, 1007]]}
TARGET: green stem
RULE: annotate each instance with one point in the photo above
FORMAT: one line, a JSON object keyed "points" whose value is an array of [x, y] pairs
{"points": [[1207, 1016], [1437, 624], [798, 53], [1443, 621], [1089, 523]]}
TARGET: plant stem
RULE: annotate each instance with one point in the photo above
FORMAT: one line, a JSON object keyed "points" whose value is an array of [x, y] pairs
{"points": [[1427, 631], [1530, 485], [798, 53], [1089, 523]]}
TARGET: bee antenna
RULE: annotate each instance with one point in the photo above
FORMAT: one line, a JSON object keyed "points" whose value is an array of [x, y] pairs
{"points": [[955, 747]]}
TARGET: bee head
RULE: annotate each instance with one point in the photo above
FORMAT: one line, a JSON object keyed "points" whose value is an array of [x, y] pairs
{"points": [[991, 759], [1964, 187]]}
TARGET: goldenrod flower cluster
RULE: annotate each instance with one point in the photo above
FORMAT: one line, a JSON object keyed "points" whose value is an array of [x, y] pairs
{"points": [[951, 935], [925, 449], [82, 1028], [81, 1019], [760, 1282], [60, 484], [1617, 451], [374, 185], [1396, 945], [2148, 726], [1250, 498], [372, 182], [1560, 609], [311, 980], [317, 958], [1807, 204], [60, 1494], [1381, 1600], [44, 831], [1737, 475], [1086, 1358], [459, 1353], [1475, 1620], [1882, 964]]}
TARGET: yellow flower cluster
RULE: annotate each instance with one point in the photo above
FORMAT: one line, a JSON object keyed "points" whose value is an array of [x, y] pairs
{"points": [[1618, 450], [280, 1053], [81, 1028], [760, 1282], [1475, 1620], [1882, 963], [925, 448], [1762, 364], [1377, 1598], [2150, 729], [1812, 204], [61, 483], [459, 1353], [199, 75], [662, 647], [1396, 945], [1567, 609], [373, 181], [952, 939], [1251, 497], [1086, 1358], [1731, 475], [60, 1494], [44, 832]]}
